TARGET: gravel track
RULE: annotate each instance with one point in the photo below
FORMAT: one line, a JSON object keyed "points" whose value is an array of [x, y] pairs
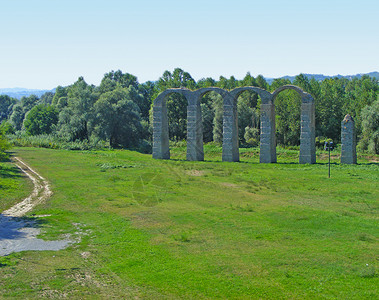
{"points": [[18, 233]]}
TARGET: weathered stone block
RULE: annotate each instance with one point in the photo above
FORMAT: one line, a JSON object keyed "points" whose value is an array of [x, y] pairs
{"points": [[348, 141]]}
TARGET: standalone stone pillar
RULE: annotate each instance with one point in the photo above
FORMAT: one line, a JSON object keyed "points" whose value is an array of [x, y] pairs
{"points": [[307, 134], [230, 148], [348, 141], [267, 153], [195, 149], [161, 148]]}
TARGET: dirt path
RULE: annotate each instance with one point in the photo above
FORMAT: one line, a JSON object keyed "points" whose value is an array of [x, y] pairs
{"points": [[41, 192], [20, 234]]}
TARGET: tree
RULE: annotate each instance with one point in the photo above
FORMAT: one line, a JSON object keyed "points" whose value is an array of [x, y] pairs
{"points": [[124, 80], [46, 98], [6, 128], [28, 103], [41, 119], [17, 117], [6, 105], [3, 147], [59, 93], [118, 118], [218, 119], [75, 119], [208, 114], [370, 128], [329, 108], [287, 108], [261, 82], [176, 103]]}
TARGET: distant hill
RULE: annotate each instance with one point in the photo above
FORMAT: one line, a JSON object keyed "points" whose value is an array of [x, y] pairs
{"points": [[18, 93], [321, 77]]}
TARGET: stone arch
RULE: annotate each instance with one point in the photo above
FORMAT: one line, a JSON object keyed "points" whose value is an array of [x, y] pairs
{"points": [[267, 149], [307, 123], [161, 148], [230, 150]]}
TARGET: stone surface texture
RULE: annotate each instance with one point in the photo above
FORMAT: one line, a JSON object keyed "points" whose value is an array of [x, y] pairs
{"points": [[230, 151], [348, 141]]}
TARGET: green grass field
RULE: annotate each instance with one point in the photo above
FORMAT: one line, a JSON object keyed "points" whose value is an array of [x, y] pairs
{"points": [[13, 185], [175, 229]]}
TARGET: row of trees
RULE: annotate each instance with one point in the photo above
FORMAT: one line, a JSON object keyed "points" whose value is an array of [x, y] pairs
{"points": [[118, 111]]}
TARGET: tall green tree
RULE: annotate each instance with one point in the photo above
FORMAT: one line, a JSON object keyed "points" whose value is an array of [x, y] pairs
{"points": [[118, 119], [370, 128], [60, 92], [6, 105], [329, 112], [218, 119], [17, 117], [75, 119], [41, 119], [176, 103]]}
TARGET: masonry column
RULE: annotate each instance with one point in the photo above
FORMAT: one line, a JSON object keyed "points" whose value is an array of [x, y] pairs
{"points": [[161, 148], [195, 149], [230, 151], [348, 141], [267, 153], [307, 134]]}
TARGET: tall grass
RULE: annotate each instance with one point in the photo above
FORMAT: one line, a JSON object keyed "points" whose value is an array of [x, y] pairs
{"points": [[54, 142]]}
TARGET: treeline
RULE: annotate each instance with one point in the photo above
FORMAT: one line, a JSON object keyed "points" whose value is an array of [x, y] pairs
{"points": [[118, 112]]}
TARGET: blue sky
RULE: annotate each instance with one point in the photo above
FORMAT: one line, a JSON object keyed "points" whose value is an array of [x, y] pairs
{"points": [[45, 43]]}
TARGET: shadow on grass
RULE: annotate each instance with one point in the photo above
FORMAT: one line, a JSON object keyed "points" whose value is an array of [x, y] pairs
{"points": [[10, 227], [9, 171], [20, 234]]}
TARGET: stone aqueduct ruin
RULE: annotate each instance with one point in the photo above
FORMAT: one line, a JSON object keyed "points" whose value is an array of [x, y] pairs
{"points": [[230, 146]]}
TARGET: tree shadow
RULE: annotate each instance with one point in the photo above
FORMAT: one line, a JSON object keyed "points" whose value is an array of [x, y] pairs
{"points": [[10, 227], [10, 172]]}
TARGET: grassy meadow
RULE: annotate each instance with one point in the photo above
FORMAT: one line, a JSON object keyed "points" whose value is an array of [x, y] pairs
{"points": [[13, 185], [169, 229]]}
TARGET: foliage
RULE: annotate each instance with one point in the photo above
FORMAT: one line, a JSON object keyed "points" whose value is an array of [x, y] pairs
{"points": [[17, 117], [218, 119], [176, 103], [6, 128], [6, 106], [80, 120], [4, 145], [117, 118], [41, 119], [251, 136], [370, 128], [53, 142]]}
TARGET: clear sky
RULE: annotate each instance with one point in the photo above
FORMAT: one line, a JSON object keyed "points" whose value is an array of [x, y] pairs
{"points": [[45, 43]]}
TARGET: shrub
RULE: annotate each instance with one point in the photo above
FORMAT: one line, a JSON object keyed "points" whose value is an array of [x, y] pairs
{"points": [[4, 145]]}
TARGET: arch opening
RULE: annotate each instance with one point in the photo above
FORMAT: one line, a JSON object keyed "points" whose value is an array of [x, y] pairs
{"points": [[248, 109], [306, 122]]}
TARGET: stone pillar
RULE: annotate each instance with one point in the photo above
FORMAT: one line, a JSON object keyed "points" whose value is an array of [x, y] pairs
{"points": [[230, 147], [348, 141], [161, 149], [195, 149], [267, 153], [307, 134]]}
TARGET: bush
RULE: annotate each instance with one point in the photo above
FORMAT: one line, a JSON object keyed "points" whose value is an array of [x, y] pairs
{"points": [[252, 136], [6, 128], [4, 145], [53, 142], [320, 142], [41, 119]]}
